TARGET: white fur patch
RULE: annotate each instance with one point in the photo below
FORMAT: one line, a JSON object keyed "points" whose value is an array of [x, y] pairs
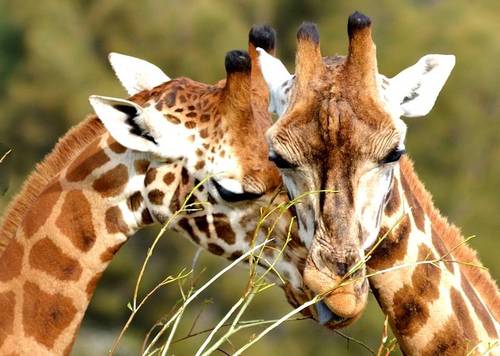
{"points": [[278, 79]]}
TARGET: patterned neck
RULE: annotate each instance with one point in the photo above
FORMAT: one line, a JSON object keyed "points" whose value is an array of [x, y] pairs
{"points": [[433, 308]]}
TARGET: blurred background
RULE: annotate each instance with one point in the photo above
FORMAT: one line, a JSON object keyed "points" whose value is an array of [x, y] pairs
{"points": [[53, 55]]}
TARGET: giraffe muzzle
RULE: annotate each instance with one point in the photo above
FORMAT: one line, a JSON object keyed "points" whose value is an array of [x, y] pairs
{"points": [[345, 298]]}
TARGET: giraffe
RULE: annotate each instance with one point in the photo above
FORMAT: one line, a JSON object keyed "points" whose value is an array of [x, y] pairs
{"points": [[340, 128], [132, 165]]}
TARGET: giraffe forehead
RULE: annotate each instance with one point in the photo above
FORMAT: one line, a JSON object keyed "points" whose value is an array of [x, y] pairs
{"points": [[184, 101]]}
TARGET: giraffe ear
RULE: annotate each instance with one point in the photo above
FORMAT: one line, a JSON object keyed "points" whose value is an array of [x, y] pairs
{"points": [[276, 76], [136, 74], [126, 122], [416, 88]]}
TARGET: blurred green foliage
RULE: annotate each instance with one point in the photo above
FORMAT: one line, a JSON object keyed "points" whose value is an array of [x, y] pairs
{"points": [[53, 55]]}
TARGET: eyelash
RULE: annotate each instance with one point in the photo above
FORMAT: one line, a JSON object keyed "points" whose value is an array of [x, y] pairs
{"points": [[279, 161], [393, 156]]}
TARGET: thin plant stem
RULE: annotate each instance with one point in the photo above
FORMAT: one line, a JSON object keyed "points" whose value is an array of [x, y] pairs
{"points": [[4, 156], [219, 325], [201, 289]]}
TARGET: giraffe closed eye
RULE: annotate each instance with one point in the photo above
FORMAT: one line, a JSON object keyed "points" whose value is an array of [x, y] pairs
{"points": [[231, 196], [393, 156], [279, 161]]}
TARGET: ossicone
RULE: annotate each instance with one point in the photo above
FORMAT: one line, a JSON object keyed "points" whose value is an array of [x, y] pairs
{"points": [[308, 31], [357, 21], [263, 36], [237, 61]]}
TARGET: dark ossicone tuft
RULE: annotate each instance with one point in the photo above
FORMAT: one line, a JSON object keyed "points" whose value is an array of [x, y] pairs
{"points": [[308, 31], [357, 21], [238, 61], [262, 36]]}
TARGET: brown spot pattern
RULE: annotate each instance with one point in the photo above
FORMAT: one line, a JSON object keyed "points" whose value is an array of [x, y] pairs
{"points": [[7, 304], [92, 284], [174, 201], [114, 221], [223, 229], [184, 224], [46, 256], [45, 316], [235, 255], [479, 308], [91, 158], [426, 277], [173, 119], [463, 316], [185, 176], [202, 224], [41, 210], [393, 248], [75, 220], [146, 217], [168, 178], [204, 133], [112, 182], [446, 341], [410, 311], [150, 177], [141, 166], [215, 249], [134, 201], [190, 124], [115, 146], [199, 165], [156, 196], [170, 98], [11, 261], [110, 252]]}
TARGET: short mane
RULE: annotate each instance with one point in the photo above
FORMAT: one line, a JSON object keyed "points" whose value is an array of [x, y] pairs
{"points": [[66, 148], [480, 278]]}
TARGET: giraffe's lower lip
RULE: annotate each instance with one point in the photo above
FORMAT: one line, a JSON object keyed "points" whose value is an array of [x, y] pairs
{"points": [[230, 196]]}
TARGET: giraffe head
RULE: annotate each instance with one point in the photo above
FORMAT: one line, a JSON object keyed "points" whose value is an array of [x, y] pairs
{"points": [[202, 126], [340, 130]]}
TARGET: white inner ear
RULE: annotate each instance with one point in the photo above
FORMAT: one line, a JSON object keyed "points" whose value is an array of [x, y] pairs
{"points": [[136, 74], [416, 88], [278, 79], [125, 121]]}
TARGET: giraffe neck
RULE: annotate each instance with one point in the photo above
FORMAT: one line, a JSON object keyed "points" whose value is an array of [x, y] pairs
{"points": [[432, 308], [82, 216], [68, 236]]}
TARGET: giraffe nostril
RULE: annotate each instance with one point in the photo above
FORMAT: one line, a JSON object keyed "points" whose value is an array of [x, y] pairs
{"points": [[341, 268]]}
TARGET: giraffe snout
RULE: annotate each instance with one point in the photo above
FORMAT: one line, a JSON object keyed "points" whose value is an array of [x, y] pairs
{"points": [[338, 278]]}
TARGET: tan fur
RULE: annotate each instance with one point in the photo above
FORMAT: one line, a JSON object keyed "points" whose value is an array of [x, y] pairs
{"points": [[63, 153], [480, 278]]}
